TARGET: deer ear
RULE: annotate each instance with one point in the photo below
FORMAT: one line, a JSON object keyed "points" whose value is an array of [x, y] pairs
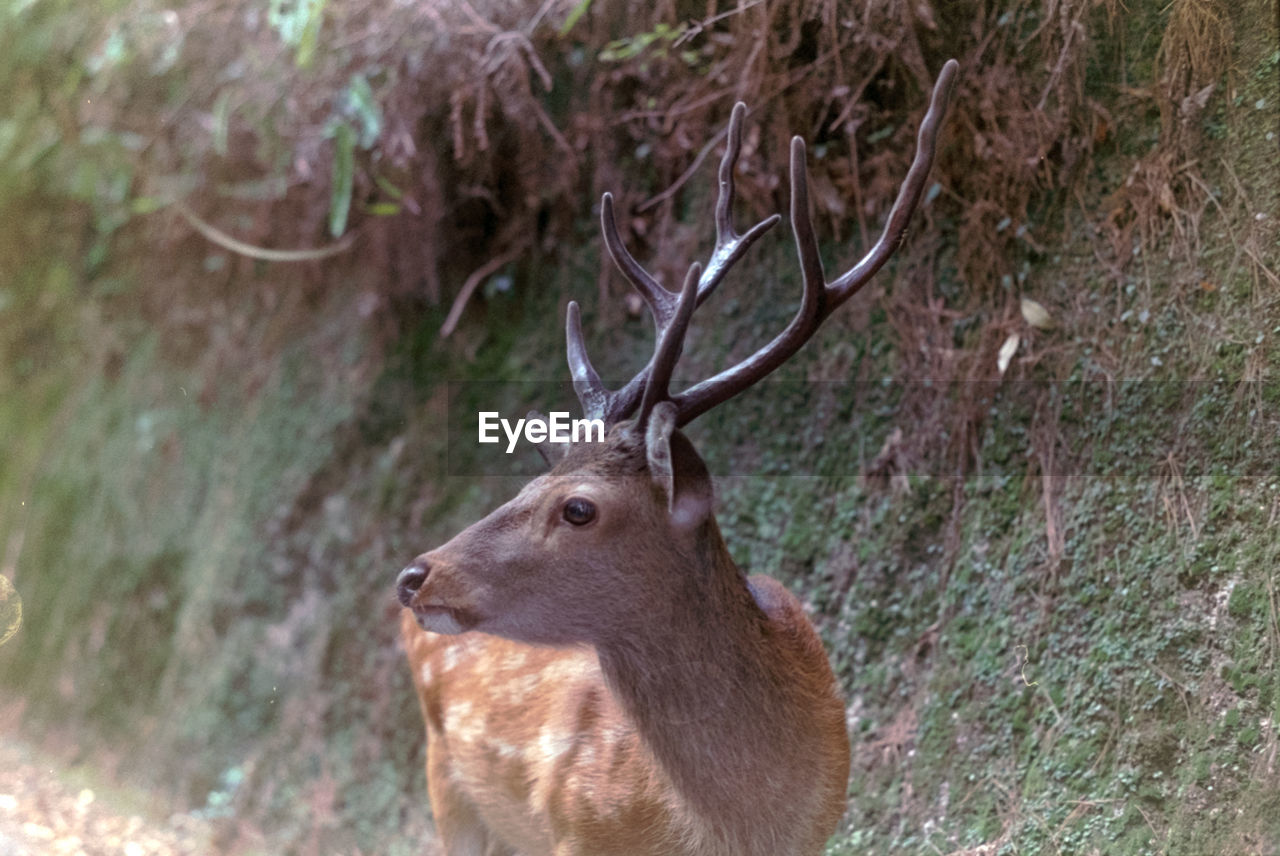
{"points": [[677, 469]]}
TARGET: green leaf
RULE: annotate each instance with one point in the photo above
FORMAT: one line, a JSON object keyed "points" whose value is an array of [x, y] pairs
{"points": [[145, 204], [363, 108], [344, 163], [883, 134], [221, 117], [310, 33], [298, 23], [388, 188], [383, 209], [574, 15]]}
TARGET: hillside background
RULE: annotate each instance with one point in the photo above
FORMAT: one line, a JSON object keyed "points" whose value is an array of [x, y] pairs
{"points": [[257, 254]]}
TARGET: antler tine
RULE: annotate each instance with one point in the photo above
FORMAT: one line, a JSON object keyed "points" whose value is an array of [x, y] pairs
{"points": [[812, 277], [612, 406], [586, 381], [895, 229], [729, 244], [597, 401], [662, 303], [669, 346], [820, 297]]}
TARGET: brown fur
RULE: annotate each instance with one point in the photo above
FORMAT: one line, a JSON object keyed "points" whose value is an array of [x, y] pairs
{"points": [[684, 709]]}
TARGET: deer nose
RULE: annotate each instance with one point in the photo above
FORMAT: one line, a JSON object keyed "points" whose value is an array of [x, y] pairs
{"points": [[410, 580]]}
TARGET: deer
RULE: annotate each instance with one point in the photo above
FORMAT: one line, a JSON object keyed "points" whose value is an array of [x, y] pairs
{"points": [[595, 674]]}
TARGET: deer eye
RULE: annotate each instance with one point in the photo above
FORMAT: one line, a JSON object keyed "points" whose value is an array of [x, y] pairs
{"points": [[579, 511]]}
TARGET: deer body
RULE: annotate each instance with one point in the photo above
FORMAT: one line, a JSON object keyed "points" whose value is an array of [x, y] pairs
{"points": [[698, 715], [596, 675]]}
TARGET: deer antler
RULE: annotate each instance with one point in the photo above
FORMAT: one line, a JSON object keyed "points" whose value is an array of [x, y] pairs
{"points": [[821, 297], [615, 405]]}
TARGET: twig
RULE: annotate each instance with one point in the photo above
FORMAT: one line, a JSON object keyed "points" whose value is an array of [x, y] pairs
{"points": [[1274, 630], [686, 175], [1176, 477], [537, 18], [1150, 824], [706, 149], [1178, 685], [674, 111], [696, 28], [1250, 251], [469, 287], [483, 23], [227, 242]]}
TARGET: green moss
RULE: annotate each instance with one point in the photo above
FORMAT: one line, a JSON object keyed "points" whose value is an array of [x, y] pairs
{"points": [[1247, 602]]}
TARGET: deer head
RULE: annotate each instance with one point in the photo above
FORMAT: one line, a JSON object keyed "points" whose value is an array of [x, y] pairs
{"points": [[645, 491], [530, 571]]}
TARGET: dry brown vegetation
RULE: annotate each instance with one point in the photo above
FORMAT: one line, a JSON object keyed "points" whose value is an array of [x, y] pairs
{"points": [[502, 123]]}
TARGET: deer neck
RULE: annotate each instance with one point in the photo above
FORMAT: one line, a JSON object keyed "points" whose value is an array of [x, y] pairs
{"points": [[712, 693]]}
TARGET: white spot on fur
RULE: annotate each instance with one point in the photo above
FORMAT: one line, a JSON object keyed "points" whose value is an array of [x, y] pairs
{"points": [[552, 743], [461, 722], [519, 689], [567, 669], [506, 751], [587, 755]]}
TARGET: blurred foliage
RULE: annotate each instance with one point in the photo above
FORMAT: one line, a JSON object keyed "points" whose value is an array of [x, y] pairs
{"points": [[213, 465]]}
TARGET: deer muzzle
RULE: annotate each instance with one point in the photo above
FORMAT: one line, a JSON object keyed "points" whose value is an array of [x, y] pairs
{"points": [[433, 616], [409, 582]]}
